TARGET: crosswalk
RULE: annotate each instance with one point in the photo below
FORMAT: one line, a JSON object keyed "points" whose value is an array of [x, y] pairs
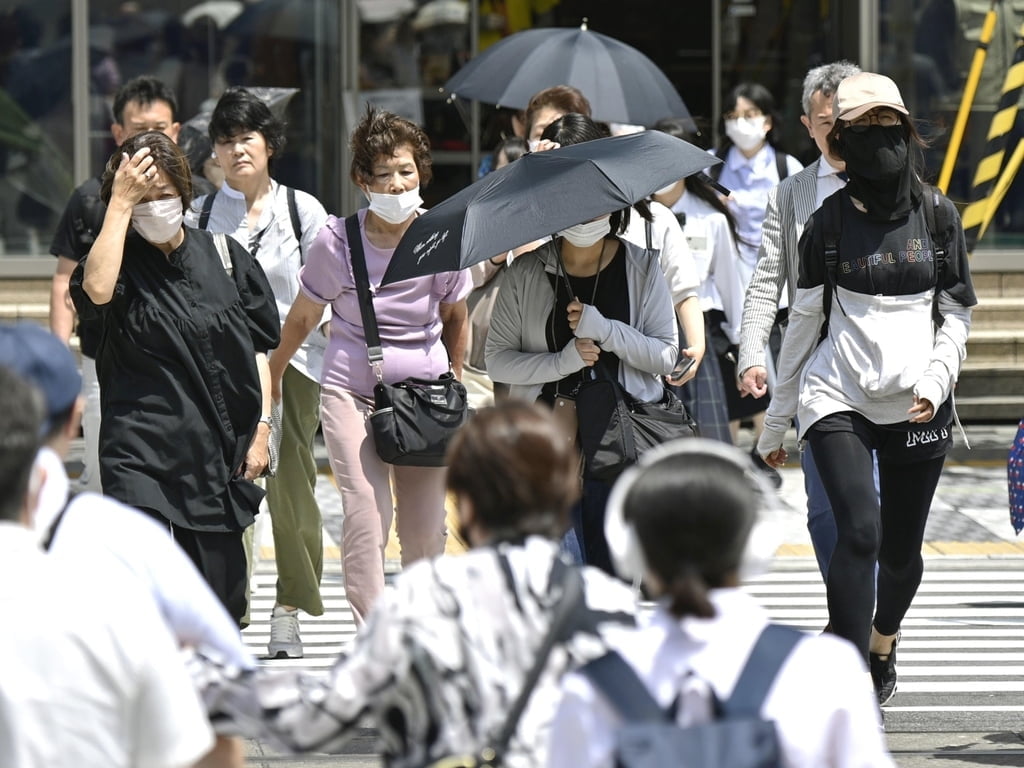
{"points": [[961, 659]]}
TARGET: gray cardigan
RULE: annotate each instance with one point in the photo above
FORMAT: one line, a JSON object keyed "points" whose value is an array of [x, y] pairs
{"points": [[517, 349]]}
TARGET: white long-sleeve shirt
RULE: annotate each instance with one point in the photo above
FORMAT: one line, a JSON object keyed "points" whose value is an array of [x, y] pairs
{"points": [[822, 702]]}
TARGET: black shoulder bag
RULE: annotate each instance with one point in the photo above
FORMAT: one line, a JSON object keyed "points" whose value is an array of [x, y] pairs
{"points": [[616, 429], [414, 419]]}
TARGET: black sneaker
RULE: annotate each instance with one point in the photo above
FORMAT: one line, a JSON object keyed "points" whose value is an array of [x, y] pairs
{"points": [[773, 474], [883, 673]]}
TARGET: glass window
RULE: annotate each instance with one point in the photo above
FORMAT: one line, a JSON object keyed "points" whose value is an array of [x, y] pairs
{"points": [[36, 120], [196, 47]]}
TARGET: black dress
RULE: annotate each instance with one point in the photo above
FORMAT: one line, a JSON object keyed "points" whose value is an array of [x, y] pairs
{"points": [[179, 389]]}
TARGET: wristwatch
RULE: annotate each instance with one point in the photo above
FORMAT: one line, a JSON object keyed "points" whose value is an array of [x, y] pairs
{"points": [[265, 420]]}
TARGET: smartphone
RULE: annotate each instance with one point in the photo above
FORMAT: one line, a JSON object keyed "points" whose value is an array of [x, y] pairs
{"points": [[682, 366]]}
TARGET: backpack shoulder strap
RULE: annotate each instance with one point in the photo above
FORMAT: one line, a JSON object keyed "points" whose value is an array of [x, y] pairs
{"points": [[768, 655], [833, 221], [204, 214], [940, 226], [618, 682], [293, 212], [781, 164], [220, 241]]}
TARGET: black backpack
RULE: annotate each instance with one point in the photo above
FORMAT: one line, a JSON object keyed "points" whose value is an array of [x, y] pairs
{"points": [[940, 229], [737, 738]]}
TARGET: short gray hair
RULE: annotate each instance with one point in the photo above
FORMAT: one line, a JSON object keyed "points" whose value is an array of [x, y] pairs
{"points": [[826, 79]]}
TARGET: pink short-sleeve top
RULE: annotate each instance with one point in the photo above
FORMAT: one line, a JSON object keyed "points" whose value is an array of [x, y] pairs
{"points": [[408, 312]]}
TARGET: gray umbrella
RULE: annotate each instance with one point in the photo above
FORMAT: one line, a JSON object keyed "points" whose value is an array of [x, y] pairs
{"points": [[622, 84], [540, 194]]}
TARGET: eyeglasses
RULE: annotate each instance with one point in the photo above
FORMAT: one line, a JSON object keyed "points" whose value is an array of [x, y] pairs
{"points": [[886, 118], [746, 114]]}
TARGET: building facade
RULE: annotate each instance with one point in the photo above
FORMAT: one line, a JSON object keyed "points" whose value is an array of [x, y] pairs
{"points": [[62, 60]]}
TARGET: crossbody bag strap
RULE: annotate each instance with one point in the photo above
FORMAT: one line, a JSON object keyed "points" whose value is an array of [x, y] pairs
{"points": [[770, 651], [358, 258], [559, 630], [51, 532]]}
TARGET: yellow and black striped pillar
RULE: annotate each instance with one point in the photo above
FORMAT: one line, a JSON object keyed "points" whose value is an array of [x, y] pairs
{"points": [[995, 149]]}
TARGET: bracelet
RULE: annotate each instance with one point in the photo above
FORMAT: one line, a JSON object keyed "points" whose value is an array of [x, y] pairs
{"points": [[265, 420]]}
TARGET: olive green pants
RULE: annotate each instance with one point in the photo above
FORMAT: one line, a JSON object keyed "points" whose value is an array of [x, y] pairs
{"points": [[291, 498]]}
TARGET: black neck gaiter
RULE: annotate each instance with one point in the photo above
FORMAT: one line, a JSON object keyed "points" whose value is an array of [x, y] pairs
{"points": [[881, 174]]}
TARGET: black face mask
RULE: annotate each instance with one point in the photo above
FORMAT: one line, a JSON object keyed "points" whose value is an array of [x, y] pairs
{"points": [[881, 175], [875, 152]]}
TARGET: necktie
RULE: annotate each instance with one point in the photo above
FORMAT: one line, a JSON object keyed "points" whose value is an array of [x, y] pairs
{"points": [[842, 176]]}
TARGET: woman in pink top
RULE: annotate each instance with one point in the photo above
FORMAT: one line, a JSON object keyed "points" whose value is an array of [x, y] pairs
{"points": [[422, 324]]}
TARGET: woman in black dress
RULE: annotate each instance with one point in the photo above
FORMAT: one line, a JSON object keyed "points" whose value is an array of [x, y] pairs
{"points": [[186, 323]]}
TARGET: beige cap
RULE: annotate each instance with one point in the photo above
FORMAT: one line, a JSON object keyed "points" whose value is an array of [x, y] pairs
{"points": [[864, 91]]}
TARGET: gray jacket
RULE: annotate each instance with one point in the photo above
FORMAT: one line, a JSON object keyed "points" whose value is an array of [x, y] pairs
{"points": [[790, 205], [517, 348]]}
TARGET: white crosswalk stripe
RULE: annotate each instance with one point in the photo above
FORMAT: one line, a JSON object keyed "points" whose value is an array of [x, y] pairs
{"points": [[960, 657], [962, 652], [323, 637]]}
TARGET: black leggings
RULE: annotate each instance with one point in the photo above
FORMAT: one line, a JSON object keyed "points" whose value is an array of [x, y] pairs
{"points": [[888, 526]]}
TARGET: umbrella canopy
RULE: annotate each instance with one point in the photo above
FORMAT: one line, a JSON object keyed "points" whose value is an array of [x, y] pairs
{"points": [[622, 84], [540, 194], [221, 12], [303, 21]]}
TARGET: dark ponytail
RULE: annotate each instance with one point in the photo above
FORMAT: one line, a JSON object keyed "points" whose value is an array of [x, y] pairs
{"points": [[688, 594], [693, 514]]}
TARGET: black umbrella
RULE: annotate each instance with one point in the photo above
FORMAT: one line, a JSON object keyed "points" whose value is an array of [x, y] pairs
{"points": [[622, 84], [540, 194]]}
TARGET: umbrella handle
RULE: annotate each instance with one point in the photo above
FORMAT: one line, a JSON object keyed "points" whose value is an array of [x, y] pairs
{"points": [[724, 191]]}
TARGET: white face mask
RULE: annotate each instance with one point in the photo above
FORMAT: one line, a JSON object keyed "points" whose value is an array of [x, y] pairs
{"points": [[158, 221], [747, 133], [588, 233], [395, 209], [665, 190]]}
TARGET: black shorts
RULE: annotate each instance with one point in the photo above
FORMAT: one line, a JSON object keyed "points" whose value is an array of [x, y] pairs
{"points": [[900, 443]]}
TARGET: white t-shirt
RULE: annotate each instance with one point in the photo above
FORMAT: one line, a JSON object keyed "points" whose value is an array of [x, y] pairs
{"points": [[718, 262], [278, 251], [100, 534], [667, 238], [822, 702], [87, 681]]}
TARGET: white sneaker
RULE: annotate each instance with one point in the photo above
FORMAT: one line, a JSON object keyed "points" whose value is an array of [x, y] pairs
{"points": [[285, 642]]}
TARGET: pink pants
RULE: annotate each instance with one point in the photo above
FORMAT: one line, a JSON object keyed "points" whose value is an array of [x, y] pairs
{"points": [[366, 484]]}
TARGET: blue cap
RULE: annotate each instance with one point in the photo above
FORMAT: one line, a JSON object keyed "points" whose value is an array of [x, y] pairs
{"points": [[44, 361]]}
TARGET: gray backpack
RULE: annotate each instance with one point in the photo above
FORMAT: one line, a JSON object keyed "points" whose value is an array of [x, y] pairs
{"points": [[737, 738]]}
